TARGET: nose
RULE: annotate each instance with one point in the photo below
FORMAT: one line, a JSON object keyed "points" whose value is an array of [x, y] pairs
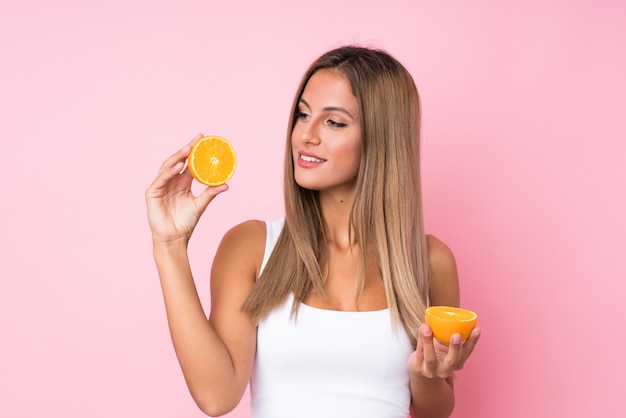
{"points": [[309, 133]]}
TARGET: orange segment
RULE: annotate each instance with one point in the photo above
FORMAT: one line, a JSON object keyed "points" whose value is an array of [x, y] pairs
{"points": [[212, 160], [448, 320]]}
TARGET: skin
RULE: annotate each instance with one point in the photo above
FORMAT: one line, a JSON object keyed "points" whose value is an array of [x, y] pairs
{"points": [[216, 354], [328, 128], [432, 364]]}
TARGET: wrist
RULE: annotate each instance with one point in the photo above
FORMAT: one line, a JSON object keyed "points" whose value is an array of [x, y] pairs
{"points": [[433, 397], [170, 255], [169, 244], [425, 384], [421, 379]]}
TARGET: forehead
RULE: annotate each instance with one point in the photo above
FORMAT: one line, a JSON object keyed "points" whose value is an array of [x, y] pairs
{"points": [[329, 88]]}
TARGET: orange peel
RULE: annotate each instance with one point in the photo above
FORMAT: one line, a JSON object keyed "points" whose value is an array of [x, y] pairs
{"points": [[448, 320]]}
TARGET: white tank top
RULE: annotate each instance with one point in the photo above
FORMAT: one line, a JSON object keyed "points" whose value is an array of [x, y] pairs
{"points": [[326, 364]]}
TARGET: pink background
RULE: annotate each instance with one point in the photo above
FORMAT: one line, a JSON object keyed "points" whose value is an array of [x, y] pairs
{"points": [[524, 173]]}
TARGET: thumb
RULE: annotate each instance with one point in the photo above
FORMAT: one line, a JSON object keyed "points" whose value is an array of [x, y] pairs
{"points": [[208, 195]]}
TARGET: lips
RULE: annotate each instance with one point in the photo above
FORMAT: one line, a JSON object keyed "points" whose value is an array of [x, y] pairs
{"points": [[308, 161]]}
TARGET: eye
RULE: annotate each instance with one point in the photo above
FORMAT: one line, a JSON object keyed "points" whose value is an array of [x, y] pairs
{"points": [[300, 115], [336, 124]]}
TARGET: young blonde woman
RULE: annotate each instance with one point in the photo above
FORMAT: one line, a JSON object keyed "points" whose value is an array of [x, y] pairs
{"points": [[321, 311]]}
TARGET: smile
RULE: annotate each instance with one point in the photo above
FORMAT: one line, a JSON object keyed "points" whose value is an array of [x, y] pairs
{"points": [[310, 159]]}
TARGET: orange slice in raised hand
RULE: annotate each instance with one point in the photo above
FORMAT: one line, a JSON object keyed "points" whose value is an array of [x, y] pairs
{"points": [[448, 320], [212, 160]]}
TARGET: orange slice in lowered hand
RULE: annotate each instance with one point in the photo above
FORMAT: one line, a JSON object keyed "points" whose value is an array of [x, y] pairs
{"points": [[448, 320], [212, 160]]}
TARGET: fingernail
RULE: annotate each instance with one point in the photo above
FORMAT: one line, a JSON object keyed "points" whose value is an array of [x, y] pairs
{"points": [[456, 339], [426, 332]]}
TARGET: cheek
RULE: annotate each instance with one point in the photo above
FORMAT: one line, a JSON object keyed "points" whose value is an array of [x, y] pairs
{"points": [[352, 159], [356, 152], [296, 132]]}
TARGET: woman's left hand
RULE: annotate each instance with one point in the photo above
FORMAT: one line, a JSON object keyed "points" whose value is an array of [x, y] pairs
{"points": [[433, 359]]}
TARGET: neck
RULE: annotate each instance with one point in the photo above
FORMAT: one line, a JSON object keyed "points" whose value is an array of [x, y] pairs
{"points": [[336, 212]]}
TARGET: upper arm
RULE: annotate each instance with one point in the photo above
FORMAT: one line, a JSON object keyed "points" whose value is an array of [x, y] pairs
{"points": [[444, 286], [235, 269]]}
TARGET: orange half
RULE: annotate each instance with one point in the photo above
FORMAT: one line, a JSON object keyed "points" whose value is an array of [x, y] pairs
{"points": [[212, 160], [447, 320]]}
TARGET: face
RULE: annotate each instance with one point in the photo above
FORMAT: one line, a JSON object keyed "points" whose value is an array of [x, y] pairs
{"points": [[326, 138]]}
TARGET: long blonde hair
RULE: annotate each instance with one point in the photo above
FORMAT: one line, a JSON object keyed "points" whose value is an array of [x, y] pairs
{"points": [[387, 210]]}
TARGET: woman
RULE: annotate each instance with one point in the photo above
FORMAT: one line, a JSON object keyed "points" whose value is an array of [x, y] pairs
{"points": [[322, 311]]}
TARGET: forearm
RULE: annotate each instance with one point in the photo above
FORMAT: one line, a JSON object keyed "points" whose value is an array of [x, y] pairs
{"points": [[432, 398], [204, 359]]}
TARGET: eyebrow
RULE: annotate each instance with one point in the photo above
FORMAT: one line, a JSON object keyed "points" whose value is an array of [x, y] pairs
{"points": [[330, 108]]}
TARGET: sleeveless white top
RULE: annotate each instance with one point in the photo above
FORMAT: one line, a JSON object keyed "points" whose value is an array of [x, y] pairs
{"points": [[326, 364]]}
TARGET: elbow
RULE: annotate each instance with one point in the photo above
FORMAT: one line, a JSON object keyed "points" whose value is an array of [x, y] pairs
{"points": [[216, 397], [213, 406], [213, 410]]}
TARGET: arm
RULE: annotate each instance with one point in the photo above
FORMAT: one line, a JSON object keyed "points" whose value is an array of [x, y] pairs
{"points": [[432, 364], [215, 355], [215, 358]]}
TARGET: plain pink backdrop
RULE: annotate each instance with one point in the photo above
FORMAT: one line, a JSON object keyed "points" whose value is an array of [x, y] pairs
{"points": [[524, 175]]}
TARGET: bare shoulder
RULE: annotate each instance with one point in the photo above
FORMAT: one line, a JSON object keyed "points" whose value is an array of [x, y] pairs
{"points": [[238, 259], [444, 288], [440, 255], [247, 230], [242, 248]]}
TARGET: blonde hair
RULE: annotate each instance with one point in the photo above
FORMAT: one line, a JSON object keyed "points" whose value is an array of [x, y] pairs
{"points": [[387, 210]]}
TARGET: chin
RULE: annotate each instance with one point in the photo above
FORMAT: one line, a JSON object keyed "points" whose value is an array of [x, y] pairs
{"points": [[307, 185], [308, 182]]}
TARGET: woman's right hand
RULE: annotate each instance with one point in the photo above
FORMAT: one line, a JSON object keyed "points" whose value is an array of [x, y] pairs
{"points": [[173, 210]]}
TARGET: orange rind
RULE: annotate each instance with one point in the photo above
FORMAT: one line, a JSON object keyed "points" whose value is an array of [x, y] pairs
{"points": [[447, 320]]}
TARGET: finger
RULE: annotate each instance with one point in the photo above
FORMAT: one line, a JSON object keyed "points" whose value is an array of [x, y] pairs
{"points": [[454, 356], [173, 166], [187, 175], [429, 365], [468, 347], [208, 195], [156, 189], [416, 359], [196, 139], [420, 342], [175, 158], [180, 155]]}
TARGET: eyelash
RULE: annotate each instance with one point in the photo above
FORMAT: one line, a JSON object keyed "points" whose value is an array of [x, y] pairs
{"points": [[301, 115], [337, 124], [331, 123]]}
